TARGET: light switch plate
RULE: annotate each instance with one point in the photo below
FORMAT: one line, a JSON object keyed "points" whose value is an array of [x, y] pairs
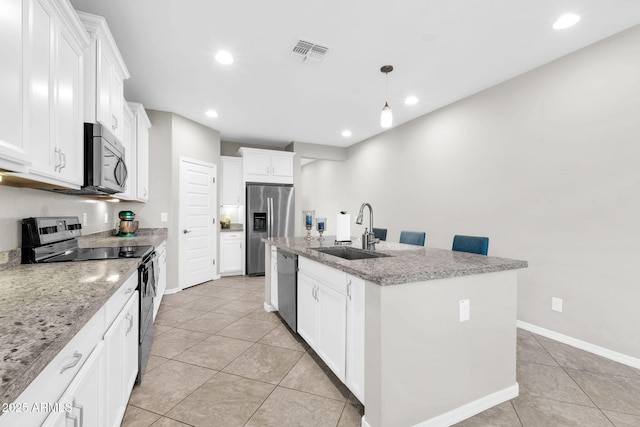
{"points": [[106, 217], [556, 304], [84, 219], [164, 217], [465, 310]]}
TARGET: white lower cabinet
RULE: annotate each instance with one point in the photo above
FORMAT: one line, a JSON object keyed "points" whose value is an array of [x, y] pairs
{"points": [[231, 251], [161, 253], [274, 277], [81, 404], [121, 342], [354, 378], [322, 312]]}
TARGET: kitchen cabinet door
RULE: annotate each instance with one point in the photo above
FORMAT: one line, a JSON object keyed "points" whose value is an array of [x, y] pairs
{"points": [[116, 101], [282, 165], [14, 154], [307, 321], [257, 162], [121, 349], [332, 328], [142, 125], [39, 97], [354, 375], [161, 252], [84, 396], [231, 181], [69, 135], [231, 246], [129, 144], [274, 277]]}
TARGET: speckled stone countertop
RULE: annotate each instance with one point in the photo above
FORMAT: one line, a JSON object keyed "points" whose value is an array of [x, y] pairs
{"points": [[42, 306], [407, 263]]}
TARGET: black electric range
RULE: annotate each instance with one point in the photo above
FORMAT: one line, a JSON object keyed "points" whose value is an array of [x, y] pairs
{"points": [[54, 239]]}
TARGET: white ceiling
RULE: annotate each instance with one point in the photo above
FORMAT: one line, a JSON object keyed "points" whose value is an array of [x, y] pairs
{"points": [[442, 51]]}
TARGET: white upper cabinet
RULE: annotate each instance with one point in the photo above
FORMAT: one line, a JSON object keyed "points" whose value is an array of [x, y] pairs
{"points": [[231, 180], [129, 144], [267, 166], [142, 125], [106, 72], [14, 155], [53, 92]]}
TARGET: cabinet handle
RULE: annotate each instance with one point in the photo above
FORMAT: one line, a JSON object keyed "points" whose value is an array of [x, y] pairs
{"points": [[129, 317], [56, 152], [114, 122], [76, 358], [81, 415], [72, 417], [349, 289], [128, 291], [63, 161]]}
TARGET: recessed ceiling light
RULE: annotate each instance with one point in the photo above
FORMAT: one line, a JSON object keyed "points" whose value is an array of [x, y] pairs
{"points": [[346, 133], [212, 114], [411, 100], [224, 57], [565, 21]]}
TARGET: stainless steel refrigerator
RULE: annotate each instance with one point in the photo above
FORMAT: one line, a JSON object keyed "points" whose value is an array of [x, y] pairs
{"points": [[270, 213]]}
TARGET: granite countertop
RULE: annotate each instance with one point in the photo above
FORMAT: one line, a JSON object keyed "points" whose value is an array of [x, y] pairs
{"points": [[406, 263], [43, 306]]}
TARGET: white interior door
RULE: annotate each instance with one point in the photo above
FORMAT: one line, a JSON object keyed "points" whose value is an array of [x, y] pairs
{"points": [[198, 201]]}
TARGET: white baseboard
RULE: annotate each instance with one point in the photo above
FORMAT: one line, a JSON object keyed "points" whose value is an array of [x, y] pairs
{"points": [[269, 307], [472, 408], [171, 291], [582, 345], [468, 410]]}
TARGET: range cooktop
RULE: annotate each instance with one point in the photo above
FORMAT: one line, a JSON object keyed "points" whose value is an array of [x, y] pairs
{"points": [[91, 254]]}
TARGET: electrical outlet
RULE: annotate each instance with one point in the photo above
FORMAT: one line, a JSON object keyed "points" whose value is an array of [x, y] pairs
{"points": [[465, 310], [556, 304], [106, 217], [164, 217]]}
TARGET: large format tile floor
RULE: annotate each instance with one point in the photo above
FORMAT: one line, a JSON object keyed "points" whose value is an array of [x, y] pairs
{"points": [[218, 359]]}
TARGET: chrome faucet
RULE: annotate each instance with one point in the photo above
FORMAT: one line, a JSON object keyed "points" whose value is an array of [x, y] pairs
{"points": [[368, 237]]}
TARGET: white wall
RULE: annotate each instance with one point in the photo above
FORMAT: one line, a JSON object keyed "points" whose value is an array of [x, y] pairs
{"points": [[17, 203], [546, 165], [170, 137]]}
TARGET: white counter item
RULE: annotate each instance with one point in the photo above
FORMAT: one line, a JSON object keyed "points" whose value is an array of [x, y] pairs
{"points": [[343, 227]]}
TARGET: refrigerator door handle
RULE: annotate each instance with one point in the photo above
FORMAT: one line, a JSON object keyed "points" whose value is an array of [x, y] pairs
{"points": [[271, 217], [269, 214]]}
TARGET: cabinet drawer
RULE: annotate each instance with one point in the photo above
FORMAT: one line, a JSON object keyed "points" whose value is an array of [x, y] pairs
{"points": [[120, 298], [328, 276], [231, 236]]}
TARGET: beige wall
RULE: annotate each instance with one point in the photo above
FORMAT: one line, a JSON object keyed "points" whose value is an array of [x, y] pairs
{"points": [[546, 165], [170, 137]]}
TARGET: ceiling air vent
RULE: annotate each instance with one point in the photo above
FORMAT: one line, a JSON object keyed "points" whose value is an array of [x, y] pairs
{"points": [[307, 51]]}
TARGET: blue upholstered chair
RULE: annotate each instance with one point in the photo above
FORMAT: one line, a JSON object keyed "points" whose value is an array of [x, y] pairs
{"points": [[472, 244], [380, 233], [413, 237]]}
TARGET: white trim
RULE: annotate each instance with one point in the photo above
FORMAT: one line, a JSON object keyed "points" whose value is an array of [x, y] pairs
{"points": [[171, 291], [269, 307], [364, 422], [472, 408], [582, 345]]}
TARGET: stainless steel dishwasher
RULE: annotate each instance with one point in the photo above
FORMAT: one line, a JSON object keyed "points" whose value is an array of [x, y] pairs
{"points": [[288, 288]]}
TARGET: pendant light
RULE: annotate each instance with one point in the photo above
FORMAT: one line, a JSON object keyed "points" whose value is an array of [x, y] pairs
{"points": [[386, 117]]}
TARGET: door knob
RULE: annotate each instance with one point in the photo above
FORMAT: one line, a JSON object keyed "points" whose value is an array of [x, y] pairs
{"points": [[185, 231]]}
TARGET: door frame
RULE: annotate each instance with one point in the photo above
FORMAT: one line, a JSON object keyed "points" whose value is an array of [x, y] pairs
{"points": [[213, 214]]}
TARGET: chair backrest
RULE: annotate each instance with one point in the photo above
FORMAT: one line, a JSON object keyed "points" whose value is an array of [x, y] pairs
{"points": [[380, 233], [472, 244], [413, 237]]}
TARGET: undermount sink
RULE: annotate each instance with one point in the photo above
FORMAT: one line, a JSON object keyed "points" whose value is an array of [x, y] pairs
{"points": [[351, 253]]}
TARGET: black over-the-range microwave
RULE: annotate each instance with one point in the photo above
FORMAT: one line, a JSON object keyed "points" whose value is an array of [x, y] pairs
{"points": [[105, 170]]}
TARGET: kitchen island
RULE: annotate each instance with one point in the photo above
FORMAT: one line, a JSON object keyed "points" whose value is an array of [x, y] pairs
{"points": [[434, 329]]}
